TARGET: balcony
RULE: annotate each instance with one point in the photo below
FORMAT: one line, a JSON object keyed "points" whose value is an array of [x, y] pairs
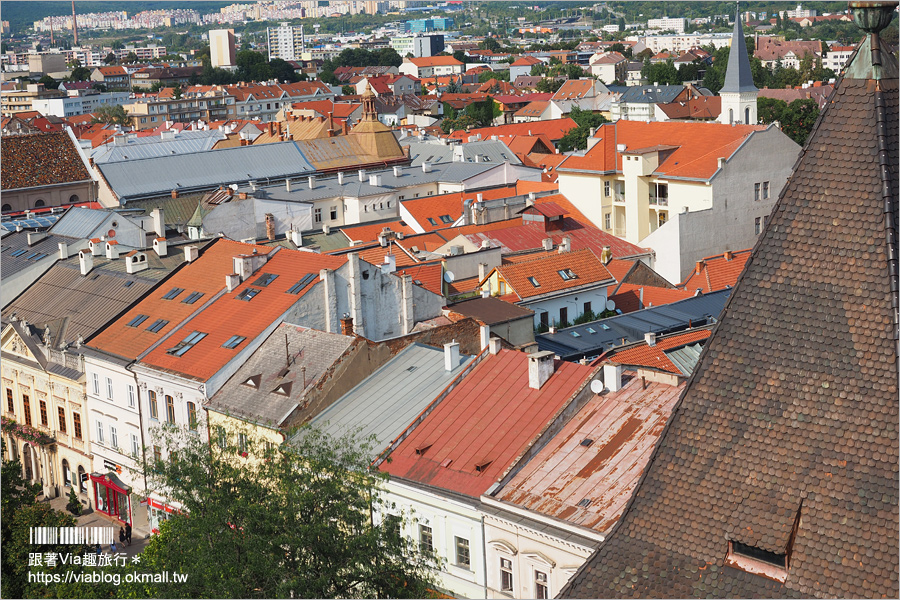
{"points": [[619, 232], [659, 200], [619, 197]]}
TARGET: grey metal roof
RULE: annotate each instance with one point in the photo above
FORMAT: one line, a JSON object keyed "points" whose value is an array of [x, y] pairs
{"points": [[148, 177], [16, 254], [489, 151], [594, 338], [738, 77], [685, 358], [80, 222], [651, 94], [390, 399], [312, 350], [184, 142]]}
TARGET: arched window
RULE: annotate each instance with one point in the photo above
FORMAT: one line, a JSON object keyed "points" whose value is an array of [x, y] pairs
{"points": [[82, 479], [170, 409], [6, 208], [730, 116], [747, 116], [67, 478], [38, 203], [73, 199], [192, 416]]}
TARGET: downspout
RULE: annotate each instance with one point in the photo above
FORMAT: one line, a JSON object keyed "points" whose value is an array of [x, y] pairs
{"points": [[484, 555]]}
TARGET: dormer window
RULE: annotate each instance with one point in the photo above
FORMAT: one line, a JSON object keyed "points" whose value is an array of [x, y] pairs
{"points": [[284, 389], [758, 561], [253, 381]]}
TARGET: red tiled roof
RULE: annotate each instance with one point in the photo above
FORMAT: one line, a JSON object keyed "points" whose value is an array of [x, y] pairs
{"points": [[698, 146], [369, 231], [376, 254], [700, 107], [429, 275], [229, 316], [40, 159], [654, 357], [434, 61], [716, 272], [628, 296], [205, 275], [449, 205], [553, 129], [532, 109], [575, 88], [545, 270], [464, 431], [619, 268], [525, 61], [112, 71]]}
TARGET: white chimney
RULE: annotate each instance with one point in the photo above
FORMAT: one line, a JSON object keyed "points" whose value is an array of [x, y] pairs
{"points": [[375, 180], [191, 253], [482, 271], [296, 237], [160, 246], [340, 179], [85, 261], [540, 367], [312, 182], [565, 245], [159, 222], [426, 167], [478, 197], [485, 336], [485, 293], [612, 377], [34, 237], [232, 281], [547, 243], [287, 184], [96, 247], [362, 175], [112, 250], [390, 264], [494, 346], [398, 172], [650, 338], [63, 251], [326, 229], [451, 356], [135, 262]]}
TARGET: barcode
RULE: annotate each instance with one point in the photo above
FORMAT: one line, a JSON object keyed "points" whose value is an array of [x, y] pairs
{"points": [[71, 535]]}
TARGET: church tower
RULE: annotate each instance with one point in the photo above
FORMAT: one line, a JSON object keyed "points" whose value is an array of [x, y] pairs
{"points": [[738, 94]]}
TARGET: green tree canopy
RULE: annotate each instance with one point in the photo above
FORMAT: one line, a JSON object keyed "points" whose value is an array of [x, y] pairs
{"points": [[49, 82], [253, 66], [663, 73], [112, 115], [796, 118], [131, 57], [110, 58], [490, 44], [576, 139], [80, 73]]}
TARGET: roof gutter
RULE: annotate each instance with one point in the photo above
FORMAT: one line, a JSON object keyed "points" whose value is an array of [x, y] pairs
{"points": [[542, 518]]}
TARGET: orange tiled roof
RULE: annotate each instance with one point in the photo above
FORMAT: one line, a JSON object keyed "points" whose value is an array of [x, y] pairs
{"points": [[574, 88], [449, 206], [375, 256], [545, 270], [434, 61], [429, 276], [369, 232], [628, 296], [716, 272], [229, 315], [619, 267], [696, 156], [553, 129], [205, 275], [655, 357]]}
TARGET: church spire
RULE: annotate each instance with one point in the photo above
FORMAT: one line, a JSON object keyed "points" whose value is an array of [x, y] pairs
{"points": [[738, 77]]}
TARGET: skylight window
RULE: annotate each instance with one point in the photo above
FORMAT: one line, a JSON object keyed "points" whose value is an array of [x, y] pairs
{"points": [[186, 344], [135, 322], [567, 274], [590, 330], [248, 294], [446, 219], [298, 287], [604, 326], [173, 293], [265, 279], [192, 297], [233, 342], [534, 282], [157, 325], [18, 253], [432, 221], [574, 334], [128, 284]]}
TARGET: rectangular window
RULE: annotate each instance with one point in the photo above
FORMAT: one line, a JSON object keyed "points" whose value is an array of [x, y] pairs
{"points": [[223, 439], [135, 322], [135, 446], [130, 396], [298, 287], [192, 297], [157, 325], [26, 403], [265, 279], [154, 411], [545, 319], [765, 190], [10, 404], [757, 225], [157, 453], [61, 415], [317, 215], [99, 432], [563, 315], [248, 294], [242, 442], [607, 221], [186, 344], [756, 191], [462, 552], [192, 416], [506, 575], [173, 293], [587, 307], [333, 214], [43, 408], [170, 409], [76, 421], [426, 540], [233, 342], [607, 188], [109, 388], [96, 380], [541, 589], [113, 437]]}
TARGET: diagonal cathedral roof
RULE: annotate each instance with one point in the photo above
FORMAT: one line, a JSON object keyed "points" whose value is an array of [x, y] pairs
{"points": [[784, 446]]}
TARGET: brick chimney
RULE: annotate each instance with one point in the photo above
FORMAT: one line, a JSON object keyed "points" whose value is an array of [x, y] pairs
{"points": [[699, 268], [728, 255], [347, 326], [270, 226]]}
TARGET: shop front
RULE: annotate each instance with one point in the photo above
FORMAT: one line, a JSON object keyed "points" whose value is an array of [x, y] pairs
{"points": [[111, 496], [159, 511]]}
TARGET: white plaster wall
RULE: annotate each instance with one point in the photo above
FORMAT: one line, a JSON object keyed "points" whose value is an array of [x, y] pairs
{"points": [[574, 303], [585, 191]]}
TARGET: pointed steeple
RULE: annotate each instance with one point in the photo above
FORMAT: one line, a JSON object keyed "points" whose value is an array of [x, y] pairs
{"points": [[738, 77]]}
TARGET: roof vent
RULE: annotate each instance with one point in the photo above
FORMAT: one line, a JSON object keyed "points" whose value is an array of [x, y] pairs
{"points": [[446, 462], [586, 442], [481, 466], [423, 449]]}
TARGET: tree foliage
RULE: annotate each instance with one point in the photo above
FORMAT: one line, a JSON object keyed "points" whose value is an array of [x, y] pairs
{"points": [[663, 73], [576, 139], [112, 115], [358, 57], [80, 73], [796, 119]]}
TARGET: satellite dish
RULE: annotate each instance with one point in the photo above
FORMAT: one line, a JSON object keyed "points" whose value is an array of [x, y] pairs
{"points": [[610, 305], [234, 186], [449, 277], [597, 386]]}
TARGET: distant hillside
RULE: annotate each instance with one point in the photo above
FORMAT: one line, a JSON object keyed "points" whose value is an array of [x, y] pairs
{"points": [[22, 14]]}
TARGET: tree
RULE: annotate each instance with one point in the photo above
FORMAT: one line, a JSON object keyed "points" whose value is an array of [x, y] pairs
{"points": [[131, 57], [80, 74], [110, 58], [111, 115], [663, 73], [74, 505], [485, 76], [490, 44], [576, 139], [49, 82], [798, 119], [283, 70], [253, 66], [260, 521], [348, 90], [482, 112], [461, 56], [643, 54], [550, 85], [118, 45], [770, 110]]}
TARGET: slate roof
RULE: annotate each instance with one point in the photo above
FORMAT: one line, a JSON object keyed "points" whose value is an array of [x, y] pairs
{"points": [[39, 159], [738, 77], [650, 94], [153, 146], [311, 352], [786, 438], [490, 151], [463, 431], [386, 402], [597, 337]]}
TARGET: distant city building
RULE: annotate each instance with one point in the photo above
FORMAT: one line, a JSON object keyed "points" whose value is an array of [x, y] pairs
{"points": [[800, 13], [285, 42], [418, 45], [221, 48], [667, 23], [425, 25], [77, 104]]}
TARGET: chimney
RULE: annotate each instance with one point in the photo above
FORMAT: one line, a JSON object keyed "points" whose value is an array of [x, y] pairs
{"points": [[398, 172], [242, 195], [485, 293], [135, 262], [96, 247], [451, 355], [426, 167], [606, 255], [34, 237], [565, 245], [270, 226], [340, 179], [346, 326], [326, 229], [375, 180], [699, 268], [296, 237], [390, 264], [63, 251], [547, 244], [85, 261], [112, 250], [312, 182], [612, 377], [728, 255], [191, 253], [159, 222], [494, 346], [232, 281], [174, 193], [160, 246], [478, 197], [485, 336], [362, 175], [650, 338], [482, 271], [287, 184], [540, 368]]}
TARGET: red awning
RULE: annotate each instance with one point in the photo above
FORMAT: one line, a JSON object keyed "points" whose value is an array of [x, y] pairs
{"points": [[111, 481]]}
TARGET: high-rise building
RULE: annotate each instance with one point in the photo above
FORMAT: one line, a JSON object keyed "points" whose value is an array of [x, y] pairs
{"points": [[285, 42], [221, 48]]}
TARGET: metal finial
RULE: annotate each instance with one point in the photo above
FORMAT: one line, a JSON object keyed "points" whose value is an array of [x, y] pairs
{"points": [[872, 16]]}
